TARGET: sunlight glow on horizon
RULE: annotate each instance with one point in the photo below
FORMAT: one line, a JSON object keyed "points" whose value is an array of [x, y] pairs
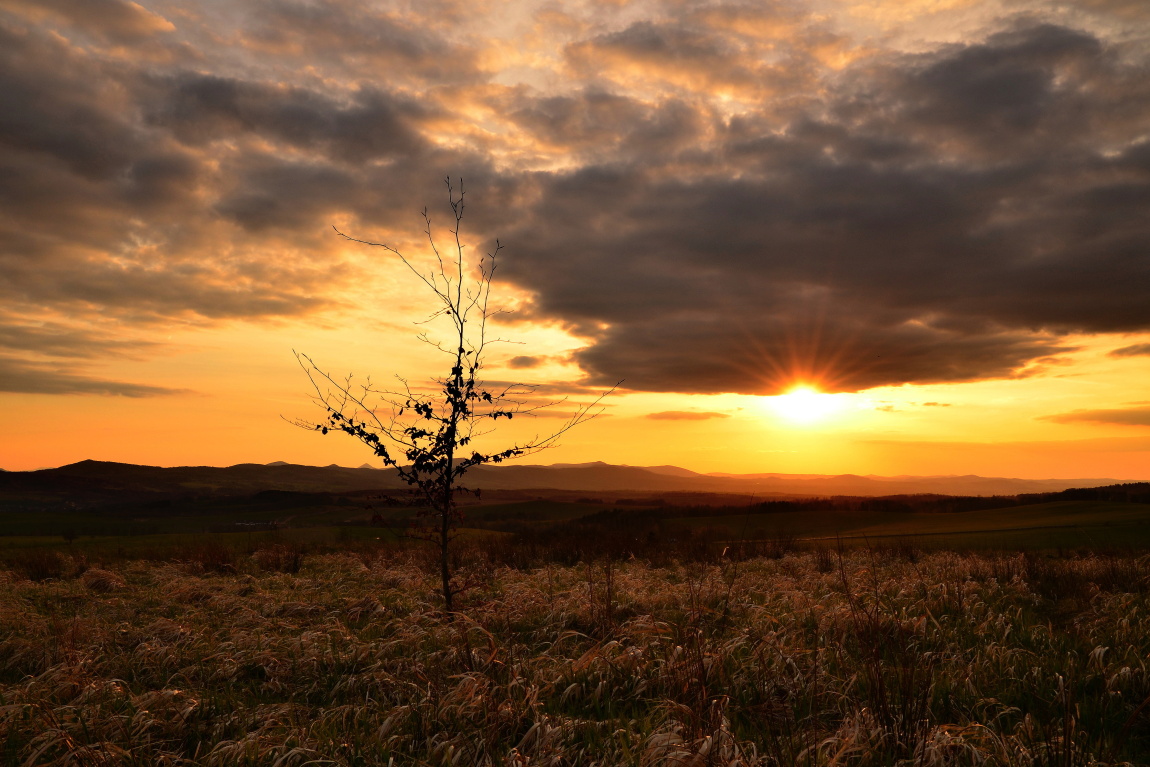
{"points": [[805, 405]]}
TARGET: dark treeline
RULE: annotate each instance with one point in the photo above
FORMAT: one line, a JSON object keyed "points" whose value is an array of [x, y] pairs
{"points": [[1132, 492], [1135, 492]]}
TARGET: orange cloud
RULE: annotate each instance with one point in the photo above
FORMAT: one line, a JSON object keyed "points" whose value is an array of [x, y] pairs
{"points": [[686, 415]]}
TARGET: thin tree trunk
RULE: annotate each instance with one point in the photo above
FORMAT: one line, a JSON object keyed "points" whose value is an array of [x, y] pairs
{"points": [[444, 569], [445, 529], [448, 480]]}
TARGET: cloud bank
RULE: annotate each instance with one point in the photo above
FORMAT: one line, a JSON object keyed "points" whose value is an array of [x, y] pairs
{"points": [[718, 197]]}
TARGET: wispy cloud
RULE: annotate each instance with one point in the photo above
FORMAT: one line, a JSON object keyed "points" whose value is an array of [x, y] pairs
{"points": [[686, 415], [1131, 416], [19, 376], [1134, 350]]}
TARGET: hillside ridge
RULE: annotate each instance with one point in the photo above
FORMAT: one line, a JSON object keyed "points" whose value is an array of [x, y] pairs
{"points": [[102, 478]]}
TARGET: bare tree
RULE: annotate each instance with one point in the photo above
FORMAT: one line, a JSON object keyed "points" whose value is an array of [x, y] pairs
{"points": [[427, 435]]}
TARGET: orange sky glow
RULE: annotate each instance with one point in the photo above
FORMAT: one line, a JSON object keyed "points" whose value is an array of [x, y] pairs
{"points": [[926, 218]]}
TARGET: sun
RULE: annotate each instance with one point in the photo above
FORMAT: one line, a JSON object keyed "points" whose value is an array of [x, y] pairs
{"points": [[804, 405]]}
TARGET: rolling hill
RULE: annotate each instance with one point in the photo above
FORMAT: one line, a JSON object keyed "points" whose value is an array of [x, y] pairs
{"points": [[96, 482]]}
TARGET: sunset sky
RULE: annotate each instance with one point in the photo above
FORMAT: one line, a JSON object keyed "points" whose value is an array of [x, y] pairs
{"points": [[933, 214]]}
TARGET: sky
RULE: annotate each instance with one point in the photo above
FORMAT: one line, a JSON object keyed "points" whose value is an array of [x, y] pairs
{"points": [[931, 217]]}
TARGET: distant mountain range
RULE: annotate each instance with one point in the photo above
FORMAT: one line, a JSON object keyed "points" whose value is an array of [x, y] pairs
{"points": [[608, 477], [100, 481]]}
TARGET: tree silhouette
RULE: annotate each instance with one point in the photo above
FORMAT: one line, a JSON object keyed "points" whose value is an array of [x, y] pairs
{"points": [[428, 436]]}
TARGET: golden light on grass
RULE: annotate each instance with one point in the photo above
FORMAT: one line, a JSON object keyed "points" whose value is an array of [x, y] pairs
{"points": [[305, 649], [805, 405]]}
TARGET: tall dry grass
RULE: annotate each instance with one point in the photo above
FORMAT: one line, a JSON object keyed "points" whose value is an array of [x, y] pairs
{"points": [[859, 658]]}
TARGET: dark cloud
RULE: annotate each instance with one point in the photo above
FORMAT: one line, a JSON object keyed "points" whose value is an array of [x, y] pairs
{"points": [[274, 194], [661, 44], [106, 211], [1018, 89], [20, 376], [49, 107], [155, 181], [1133, 416], [364, 40], [524, 362], [686, 415], [938, 218], [200, 108], [766, 355], [748, 50], [945, 216], [604, 126], [1131, 351]]}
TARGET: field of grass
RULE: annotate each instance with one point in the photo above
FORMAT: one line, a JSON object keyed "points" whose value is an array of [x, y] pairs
{"points": [[869, 657]]}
